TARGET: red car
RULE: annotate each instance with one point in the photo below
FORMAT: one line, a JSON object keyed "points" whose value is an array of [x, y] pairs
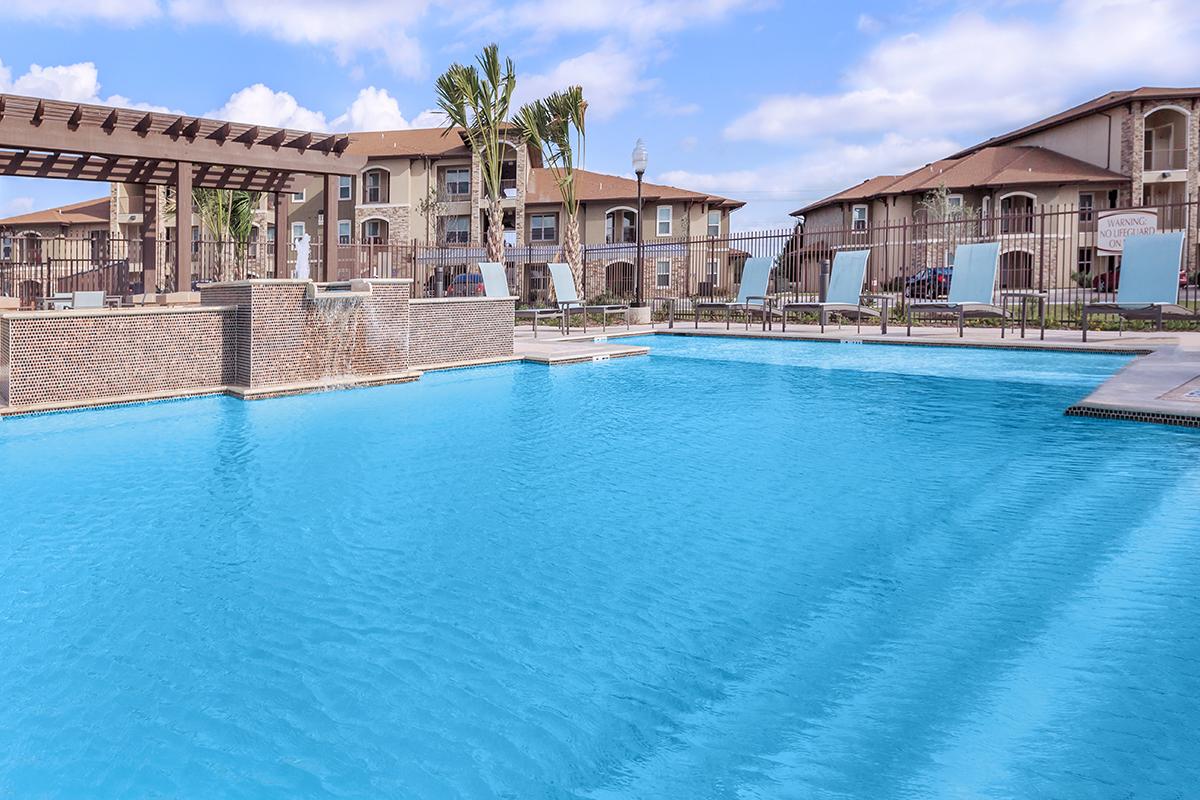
{"points": [[1109, 280]]}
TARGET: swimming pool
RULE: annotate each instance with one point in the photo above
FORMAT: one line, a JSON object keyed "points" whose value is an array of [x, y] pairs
{"points": [[731, 569]]}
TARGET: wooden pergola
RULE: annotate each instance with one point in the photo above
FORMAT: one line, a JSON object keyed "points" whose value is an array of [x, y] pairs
{"points": [[43, 138]]}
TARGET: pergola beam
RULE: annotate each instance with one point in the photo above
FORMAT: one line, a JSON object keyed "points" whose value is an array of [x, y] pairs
{"points": [[22, 163], [49, 125]]}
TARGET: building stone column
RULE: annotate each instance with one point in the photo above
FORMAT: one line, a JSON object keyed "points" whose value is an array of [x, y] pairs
{"points": [[1136, 160]]}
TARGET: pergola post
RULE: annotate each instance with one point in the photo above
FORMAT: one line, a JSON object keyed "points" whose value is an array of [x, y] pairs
{"points": [[282, 235], [183, 226], [149, 238], [330, 230]]}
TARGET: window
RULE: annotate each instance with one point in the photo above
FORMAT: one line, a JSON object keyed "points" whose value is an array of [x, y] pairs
{"points": [[713, 272], [344, 230], [1087, 202], [619, 227], [344, 188], [375, 188], [375, 231], [1085, 260], [271, 234], [662, 273], [458, 182], [858, 218], [543, 228], [298, 197], [458, 229], [297, 230], [954, 205], [195, 239], [714, 223], [6, 247], [1016, 214], [664, 220]]}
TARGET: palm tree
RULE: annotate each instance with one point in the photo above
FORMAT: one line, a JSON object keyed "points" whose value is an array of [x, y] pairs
{"points": [[476, 100], [555, 125], [228, 216]]}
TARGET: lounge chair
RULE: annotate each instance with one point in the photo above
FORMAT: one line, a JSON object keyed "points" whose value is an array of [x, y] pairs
{"points": [[844, 295], [569, 302], [972, 287], [495, 284], [752, 293], [87, 300], [1148, 285]]}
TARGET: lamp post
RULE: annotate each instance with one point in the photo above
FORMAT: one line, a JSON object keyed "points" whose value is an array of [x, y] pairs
{"points": [[639, 168]]}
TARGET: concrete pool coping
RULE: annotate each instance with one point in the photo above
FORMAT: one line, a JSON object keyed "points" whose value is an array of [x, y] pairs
{"points": [[1161, 385]]}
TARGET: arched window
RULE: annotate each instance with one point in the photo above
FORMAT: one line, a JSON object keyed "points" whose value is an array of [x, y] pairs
{"points": [[375, 231], [1016, 213], [375, 186], [1164, 140], [620, 226]]}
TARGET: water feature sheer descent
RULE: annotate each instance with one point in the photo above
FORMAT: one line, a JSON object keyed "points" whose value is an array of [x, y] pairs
{"points": [[912, 578]]}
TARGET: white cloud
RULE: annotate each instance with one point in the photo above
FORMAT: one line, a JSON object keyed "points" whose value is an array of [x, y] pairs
{"points": [[15, 206], [868, 24], [73, 12], [78, 83], [974, 73], [372, 109], [639, 19], [611, 75], [380, 27], [261, 105]]}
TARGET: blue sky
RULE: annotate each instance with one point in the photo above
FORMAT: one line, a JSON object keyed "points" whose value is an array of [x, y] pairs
{"points": [[770, 101]]}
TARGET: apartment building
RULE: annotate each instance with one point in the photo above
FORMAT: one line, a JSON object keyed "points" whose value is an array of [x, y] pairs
{"points": [[1124, 149]]}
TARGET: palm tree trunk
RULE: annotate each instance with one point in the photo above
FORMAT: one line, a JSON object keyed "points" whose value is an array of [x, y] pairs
{"points": [[495, 234], [573, 252]]}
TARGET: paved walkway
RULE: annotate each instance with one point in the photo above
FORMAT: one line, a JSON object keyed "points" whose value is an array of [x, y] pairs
{"points": [[1161, 386]]}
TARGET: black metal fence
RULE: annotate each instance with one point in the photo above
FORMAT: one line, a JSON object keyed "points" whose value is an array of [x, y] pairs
{"points": [[1053, 249]]}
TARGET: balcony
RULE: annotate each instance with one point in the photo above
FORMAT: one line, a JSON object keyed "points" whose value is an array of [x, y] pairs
{"points": [[1163, 159]]}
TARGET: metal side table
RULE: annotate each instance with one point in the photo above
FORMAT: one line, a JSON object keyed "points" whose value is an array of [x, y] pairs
{"points": [[1023, 296]]}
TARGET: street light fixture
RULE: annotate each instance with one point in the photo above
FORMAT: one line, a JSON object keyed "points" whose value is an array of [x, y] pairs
{"points": [[639, 168]]}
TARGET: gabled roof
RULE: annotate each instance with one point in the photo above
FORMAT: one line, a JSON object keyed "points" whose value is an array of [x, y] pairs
{"points": [[414, 142], [991, 166], [593, 186], [1093, 106], [86, 212], [868, 188]]}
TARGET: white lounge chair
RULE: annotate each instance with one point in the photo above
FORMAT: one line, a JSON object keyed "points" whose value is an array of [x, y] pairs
{"points": [[569, 302], [752, 293], [1148, 283], [972, 287], [844, 296], [495, 284]]}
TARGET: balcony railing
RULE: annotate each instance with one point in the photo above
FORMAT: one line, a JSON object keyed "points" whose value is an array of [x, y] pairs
{"points": [[1162, 159]]}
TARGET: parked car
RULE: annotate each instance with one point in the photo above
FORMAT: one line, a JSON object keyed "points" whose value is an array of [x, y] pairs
{"points": [[1109, 280], [469, 285], [929, 283]]}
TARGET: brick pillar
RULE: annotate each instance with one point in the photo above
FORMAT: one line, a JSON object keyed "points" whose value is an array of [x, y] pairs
{"points": [[1136, 162], [183, 226]]}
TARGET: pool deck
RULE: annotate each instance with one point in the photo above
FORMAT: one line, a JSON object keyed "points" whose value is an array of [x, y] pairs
{"points": [[1161, 386]]}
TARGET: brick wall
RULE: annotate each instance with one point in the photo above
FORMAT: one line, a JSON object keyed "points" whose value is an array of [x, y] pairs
{"points": [[255, 335], [467, 329], [72, 356], [286, 338]]}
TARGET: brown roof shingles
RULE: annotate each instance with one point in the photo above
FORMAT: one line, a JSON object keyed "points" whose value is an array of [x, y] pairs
{"points": [[593, 186], [85, 212], [991, 166]]}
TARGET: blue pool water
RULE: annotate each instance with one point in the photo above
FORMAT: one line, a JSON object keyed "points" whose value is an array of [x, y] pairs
{"points": [[733, 569]]}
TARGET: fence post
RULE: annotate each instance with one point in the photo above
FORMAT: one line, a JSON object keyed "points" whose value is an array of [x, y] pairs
{"points": [[823, 286], [439, 278]]}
